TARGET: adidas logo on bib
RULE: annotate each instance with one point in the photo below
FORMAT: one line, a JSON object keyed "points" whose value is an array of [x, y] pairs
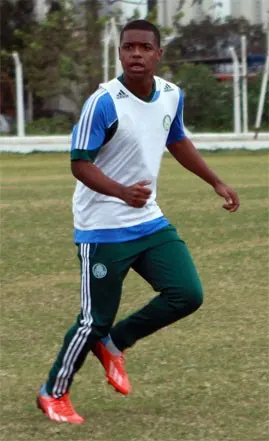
{"points": [[122, 94], [167, 88]]}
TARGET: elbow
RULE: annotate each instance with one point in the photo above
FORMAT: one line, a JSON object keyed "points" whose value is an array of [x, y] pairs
{"points": [[74, 168], [77, 168], [80, 169]]}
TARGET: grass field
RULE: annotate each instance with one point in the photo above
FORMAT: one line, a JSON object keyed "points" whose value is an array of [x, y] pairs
{"points": [[202, 379]]}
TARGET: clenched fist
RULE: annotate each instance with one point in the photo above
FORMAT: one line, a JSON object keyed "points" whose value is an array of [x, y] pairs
{"points": [[136, 195]]}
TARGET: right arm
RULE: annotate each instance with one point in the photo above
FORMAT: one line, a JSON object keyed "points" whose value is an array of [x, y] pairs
{"points": [[95, 179], [135, 195]]}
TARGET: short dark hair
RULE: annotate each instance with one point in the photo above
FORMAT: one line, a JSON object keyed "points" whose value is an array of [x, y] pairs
{"points": [[142, 25]]}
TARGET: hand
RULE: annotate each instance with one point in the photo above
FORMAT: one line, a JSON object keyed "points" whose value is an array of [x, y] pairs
{"points": [[232, 200], [136, 195]]}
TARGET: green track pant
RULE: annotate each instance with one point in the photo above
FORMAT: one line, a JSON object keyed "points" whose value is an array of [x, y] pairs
{"points": [[163, 260]]}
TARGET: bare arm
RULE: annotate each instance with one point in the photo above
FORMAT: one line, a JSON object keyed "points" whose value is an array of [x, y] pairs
{"points": [[187, 155], [135, 195], [95, 179]]}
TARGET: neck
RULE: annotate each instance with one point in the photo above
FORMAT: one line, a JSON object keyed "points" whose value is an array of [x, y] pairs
{"points": [[141, 87]]}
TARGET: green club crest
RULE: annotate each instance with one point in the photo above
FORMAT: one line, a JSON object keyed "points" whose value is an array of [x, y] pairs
{"points": [[167, 122], [99, 270]]}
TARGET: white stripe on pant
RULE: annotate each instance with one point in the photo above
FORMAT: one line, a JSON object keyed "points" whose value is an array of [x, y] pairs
{"points": [[80, 338]]}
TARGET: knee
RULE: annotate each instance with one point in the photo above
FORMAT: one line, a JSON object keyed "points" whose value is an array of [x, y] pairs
{"points": [[194, 298], [186, 300], [101, 330]]}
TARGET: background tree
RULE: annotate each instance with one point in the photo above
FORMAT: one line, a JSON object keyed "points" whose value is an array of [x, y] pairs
{"points": [[62, 54], [206, 99], [212, 39], [13, 16], [209, 102]]}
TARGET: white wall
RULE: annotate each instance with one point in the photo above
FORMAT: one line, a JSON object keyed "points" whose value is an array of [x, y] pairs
{"points": [[205, 141]]}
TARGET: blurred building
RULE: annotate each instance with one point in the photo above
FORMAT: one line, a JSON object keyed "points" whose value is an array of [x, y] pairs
{"points": [[167, 9], [256, 11], [127, 7], [41, 9]]}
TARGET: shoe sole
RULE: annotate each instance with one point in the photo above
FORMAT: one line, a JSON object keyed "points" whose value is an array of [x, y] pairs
{"points": [[115, 387]]}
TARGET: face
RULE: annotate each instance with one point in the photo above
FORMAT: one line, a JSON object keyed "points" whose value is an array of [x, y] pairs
{"points": [[139, 53]]}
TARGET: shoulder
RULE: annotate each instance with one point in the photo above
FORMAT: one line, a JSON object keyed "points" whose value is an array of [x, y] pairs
{"points": [[170, 94], [112, 87], [99, 105], [99, 99], [169, 91], [166, 86]]}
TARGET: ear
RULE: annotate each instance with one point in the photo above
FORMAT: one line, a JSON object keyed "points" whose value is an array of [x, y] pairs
{"points": [[160, 54]]}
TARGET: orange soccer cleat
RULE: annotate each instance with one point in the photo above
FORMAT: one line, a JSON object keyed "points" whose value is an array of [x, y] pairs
{"points": [[114, 367], [58, 409]]}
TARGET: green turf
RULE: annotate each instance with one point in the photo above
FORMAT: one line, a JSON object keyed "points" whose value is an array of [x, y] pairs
{"points": [[202, 379]]}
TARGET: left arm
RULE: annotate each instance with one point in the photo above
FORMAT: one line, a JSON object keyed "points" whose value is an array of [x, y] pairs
{"points": [[187, 155]]}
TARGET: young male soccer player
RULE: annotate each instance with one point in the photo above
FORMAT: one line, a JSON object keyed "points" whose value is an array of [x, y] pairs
{"points": [[117, 147]]}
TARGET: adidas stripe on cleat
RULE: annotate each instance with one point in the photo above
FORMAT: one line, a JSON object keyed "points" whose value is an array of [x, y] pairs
{"points": [[114, 367]]}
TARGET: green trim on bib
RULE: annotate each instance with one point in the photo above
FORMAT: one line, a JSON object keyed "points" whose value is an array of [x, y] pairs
{"points": [[84, 155], [151, 95]]}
